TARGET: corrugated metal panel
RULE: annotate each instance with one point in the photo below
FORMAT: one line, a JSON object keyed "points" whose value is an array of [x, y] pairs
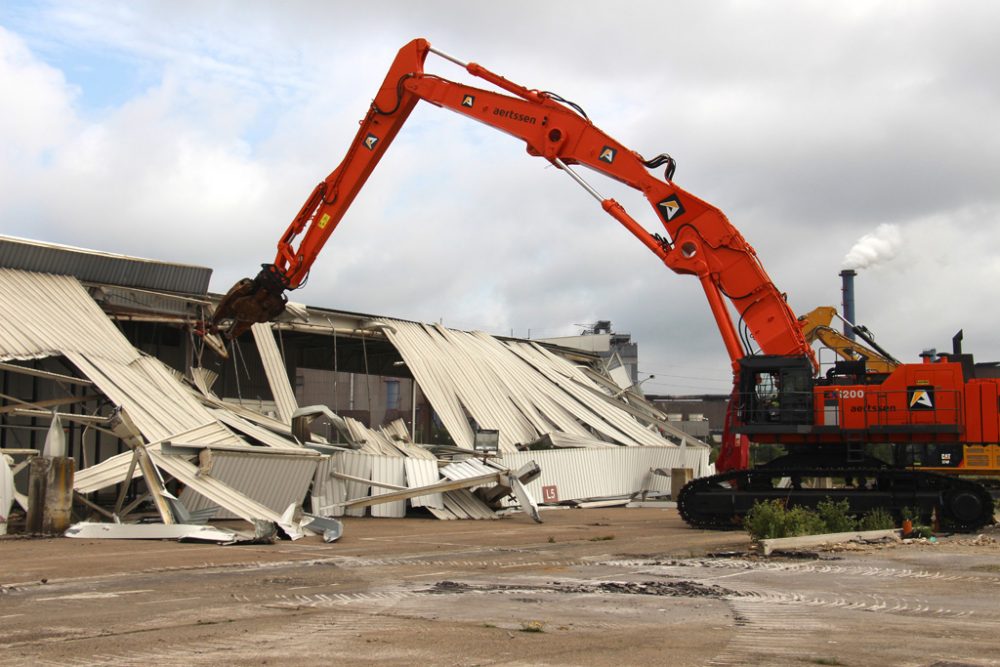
{"points": [[519, 389], [464, 504], [355, 464], [259, 433], [274, 481], [159, 408], [102, 267], [277, 375], [388, 470], [423, 472], [328, 491], [113, 470], [466, 469], [108, 472], [218, 493], [578, 474], [42, 315]]}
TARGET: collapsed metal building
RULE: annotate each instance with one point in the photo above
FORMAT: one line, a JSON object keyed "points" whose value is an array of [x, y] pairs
{"points": [[107, 355]]}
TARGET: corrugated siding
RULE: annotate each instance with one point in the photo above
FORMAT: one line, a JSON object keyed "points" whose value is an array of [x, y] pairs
{"points": [[277, 375], [43, 315], [327, 491], [355, 464], [101, 267], [423, 472], [466, 505], [519, 389], [157, 403], [217, 492], [388, 470], [113, 470], [579, 474], [273, 481]]}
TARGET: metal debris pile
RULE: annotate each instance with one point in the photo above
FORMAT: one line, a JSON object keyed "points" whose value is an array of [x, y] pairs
{"points": [[164, 454]]}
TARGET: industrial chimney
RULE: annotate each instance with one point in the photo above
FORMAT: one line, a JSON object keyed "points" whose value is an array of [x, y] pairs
{"points": [[847, 279]]}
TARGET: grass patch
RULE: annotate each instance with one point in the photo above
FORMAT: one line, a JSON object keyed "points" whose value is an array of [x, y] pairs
{"points": [[877, 519], [602, 538], [826, 661], [773, 518]]}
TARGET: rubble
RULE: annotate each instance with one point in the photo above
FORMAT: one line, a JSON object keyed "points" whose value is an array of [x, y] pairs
{"points": [[191, 455]]}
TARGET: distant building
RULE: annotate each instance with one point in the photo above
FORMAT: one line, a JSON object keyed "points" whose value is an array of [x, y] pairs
{"points": [[616, 350], [702, 416]]}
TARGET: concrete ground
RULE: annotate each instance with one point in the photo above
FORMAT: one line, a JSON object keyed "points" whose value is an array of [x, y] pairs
{"points": [[587, 587]]}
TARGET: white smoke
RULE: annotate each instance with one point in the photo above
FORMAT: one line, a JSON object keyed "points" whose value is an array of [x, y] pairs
{"points": [[879, 246]]}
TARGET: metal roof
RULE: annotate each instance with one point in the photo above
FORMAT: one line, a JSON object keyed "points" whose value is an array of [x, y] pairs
{"points": [[102, 267]]}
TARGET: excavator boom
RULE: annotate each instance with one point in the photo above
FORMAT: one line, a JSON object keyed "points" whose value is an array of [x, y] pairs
{"points": [[699, 240]]}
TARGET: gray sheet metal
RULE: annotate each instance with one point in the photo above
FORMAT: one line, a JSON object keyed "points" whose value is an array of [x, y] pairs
{"points": [[277, 374], [42, 315], [217, 492], [112, 470], [464, 504], [388, 469], [579, 474], [102, 267], [520, 389], [273, 481], [423, 472], [356, 464], [153, 531], [327, 491]]}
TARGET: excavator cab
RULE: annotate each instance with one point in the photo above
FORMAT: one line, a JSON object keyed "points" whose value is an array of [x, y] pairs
{"points": [[775, 393]]}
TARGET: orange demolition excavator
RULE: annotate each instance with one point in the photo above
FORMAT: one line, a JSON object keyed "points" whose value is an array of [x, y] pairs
{"points": [[827, 422]]}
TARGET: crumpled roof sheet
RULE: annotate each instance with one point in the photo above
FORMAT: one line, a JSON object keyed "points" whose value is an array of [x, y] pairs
{"points": [[273, 480], [274, 368], [45, 315], [520, 389]]}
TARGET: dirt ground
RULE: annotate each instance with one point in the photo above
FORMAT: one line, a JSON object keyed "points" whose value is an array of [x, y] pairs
{"points": [[587, 587]]}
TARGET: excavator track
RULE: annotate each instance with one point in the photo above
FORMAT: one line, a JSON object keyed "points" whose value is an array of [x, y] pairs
{"points": [[721, 501]]}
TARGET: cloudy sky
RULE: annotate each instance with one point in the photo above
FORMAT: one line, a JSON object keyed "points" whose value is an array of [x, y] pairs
{"points": [[192, 132]]}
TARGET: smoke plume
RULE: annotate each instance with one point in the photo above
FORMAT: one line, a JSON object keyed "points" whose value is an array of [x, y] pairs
{"points": [[879, 246]]}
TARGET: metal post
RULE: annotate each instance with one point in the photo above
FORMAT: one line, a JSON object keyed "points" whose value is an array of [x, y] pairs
{"points": [[58, 508], [38, 474], [413, 411]]}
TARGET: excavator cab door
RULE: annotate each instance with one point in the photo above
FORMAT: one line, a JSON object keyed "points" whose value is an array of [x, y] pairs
{"points": [[776, 390]]}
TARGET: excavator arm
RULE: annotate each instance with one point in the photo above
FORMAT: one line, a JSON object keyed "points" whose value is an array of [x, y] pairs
{"points": [[699, 240], [816, 327]]}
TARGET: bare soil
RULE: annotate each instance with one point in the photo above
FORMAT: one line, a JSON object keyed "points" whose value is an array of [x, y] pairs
{"points": [[587, 587]]}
